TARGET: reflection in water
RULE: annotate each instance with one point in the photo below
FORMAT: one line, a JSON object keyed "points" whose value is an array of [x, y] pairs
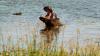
{"points": [[50, 35]]}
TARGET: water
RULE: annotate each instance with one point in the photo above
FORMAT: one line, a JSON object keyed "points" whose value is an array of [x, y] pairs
{"points": [[82, 14]]}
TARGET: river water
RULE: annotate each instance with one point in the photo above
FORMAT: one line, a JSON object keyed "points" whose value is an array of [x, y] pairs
{"points": [[83, 15]]}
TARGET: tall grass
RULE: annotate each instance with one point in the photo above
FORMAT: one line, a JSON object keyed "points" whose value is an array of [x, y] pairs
{"points": [[31, 48]]}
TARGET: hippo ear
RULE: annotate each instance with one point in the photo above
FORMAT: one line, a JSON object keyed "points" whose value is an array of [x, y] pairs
{"points": [[41, 18]]}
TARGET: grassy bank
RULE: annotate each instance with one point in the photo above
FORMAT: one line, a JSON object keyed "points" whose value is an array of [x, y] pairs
{"points": [[31, 48], [44, 50]]}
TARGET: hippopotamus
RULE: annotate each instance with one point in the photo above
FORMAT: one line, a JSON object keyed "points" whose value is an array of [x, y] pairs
{"points": [[50, 23]]}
